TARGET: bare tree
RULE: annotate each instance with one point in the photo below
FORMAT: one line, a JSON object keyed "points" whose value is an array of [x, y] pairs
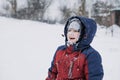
{"points": [[13, 7], [101, 13], [66, 13], [82, 8], [35, 10]]}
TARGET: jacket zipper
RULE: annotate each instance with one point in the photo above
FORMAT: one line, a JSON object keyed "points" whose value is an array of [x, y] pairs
{"points": [[70, 69]]}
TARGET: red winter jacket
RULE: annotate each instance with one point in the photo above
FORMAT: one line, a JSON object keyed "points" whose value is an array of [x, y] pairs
{"points": [[79, 61], [68, 65]]}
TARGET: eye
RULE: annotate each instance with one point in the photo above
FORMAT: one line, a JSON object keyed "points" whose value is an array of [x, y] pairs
{"points": [[69, 30], [76, 30]]}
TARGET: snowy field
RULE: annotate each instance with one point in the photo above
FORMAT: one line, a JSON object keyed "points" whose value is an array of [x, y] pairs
{"points": [[27, 48]]}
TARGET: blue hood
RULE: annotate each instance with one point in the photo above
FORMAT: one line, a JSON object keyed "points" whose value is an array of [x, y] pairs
{"points": [[87, 33]]}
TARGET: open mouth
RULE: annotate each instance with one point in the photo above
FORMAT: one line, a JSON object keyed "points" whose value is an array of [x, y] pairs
{"points": [[72, 38]]}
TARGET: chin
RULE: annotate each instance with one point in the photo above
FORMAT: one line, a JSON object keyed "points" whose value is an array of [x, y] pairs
{"points": [[73, 42]]}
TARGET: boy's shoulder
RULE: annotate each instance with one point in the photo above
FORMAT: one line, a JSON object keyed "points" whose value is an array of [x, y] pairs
{"points": [[90, 51]]}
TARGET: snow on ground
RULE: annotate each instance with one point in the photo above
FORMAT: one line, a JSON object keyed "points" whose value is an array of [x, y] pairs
{"points": [[27, 48]]}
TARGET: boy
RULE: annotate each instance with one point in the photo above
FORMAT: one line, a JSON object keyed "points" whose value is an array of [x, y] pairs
{"points": [[77, 60]]}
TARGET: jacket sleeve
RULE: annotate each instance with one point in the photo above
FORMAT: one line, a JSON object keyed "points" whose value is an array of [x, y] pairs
{"points": [[52, 71], [93, 66]]}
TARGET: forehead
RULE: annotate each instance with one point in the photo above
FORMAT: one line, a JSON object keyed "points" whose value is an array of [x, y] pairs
{"points": [[73, 29], [74, 23]]}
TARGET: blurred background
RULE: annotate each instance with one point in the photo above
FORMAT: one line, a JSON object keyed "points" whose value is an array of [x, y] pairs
{"points": [[30, 32], [105, 12]]}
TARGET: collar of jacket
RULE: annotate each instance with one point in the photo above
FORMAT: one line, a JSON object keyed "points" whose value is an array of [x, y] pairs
{"points": [[71, 48], [76, 47]]}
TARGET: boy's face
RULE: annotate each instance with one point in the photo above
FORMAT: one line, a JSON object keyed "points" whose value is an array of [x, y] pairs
{"points": [[73, 35]]}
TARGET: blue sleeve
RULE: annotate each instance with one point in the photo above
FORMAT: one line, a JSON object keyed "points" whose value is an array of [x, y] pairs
{"points": [[94, 68]]}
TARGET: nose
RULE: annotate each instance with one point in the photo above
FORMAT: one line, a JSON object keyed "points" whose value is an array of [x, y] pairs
{"points": [[71, 33]]}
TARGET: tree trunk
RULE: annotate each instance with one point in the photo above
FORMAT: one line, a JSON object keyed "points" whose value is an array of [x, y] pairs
{"points": [[82, 8]]}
